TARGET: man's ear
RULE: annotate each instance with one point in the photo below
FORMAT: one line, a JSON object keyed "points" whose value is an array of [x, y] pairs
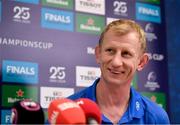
{"points": [[97, 54], [143, 61]]}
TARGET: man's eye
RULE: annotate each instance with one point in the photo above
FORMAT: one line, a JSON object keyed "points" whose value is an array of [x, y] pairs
{"points": [[126, 54], [109, 50]]}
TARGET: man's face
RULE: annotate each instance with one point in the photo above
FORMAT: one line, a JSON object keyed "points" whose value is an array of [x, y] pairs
{"points": [[119, 57]]}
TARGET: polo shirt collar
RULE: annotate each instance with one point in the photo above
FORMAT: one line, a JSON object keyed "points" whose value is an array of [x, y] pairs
{"points": [[134, 110]]}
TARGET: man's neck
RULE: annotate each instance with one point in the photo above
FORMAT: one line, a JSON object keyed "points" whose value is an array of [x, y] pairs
{"points": [[113, 102]]}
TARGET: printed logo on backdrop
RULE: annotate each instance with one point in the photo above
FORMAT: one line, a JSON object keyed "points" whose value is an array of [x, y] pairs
{"points": [[28, 1], [56, 19], [19, 72], [120, 9], [91, 6], [57, 74], [157, 97], [67, 4], [147, 12], [150, 32], [85, 76], [22, 14], [25, 43], [90, 50], [109, 20], [152, 83], [6, 117], [90, 23], [13, 93], [47, 94], [151, 1], [156, 56]]}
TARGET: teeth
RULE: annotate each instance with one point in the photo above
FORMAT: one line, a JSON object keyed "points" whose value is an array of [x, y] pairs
{"points": [[116, 72]]}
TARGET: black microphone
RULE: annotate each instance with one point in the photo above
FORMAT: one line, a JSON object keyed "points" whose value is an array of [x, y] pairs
{"points": [[27, 112]]}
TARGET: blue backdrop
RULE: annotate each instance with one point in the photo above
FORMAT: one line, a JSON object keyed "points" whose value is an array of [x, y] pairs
{"points": [[173, 47]]}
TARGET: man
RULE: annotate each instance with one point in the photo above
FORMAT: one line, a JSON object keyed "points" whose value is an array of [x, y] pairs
{"points": [[120, 53]]}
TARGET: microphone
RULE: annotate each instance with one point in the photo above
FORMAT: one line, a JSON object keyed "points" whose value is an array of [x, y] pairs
{"points": [[27, 112], [65, 111], [91, 110]]}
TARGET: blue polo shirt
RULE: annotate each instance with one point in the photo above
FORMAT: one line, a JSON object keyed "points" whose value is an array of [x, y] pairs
{"points": [[141, 110]]}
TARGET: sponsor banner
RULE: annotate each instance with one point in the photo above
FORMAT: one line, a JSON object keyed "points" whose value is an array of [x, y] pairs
{"points": [[89, 23], [152, 83], [151, 1], [28, 1], [91, 6], [153, 77], [157, 97], [20, 13], [90, 50], [120, 8], [6, 117], [57, 74], [67, 4], [56, 19], [154, 36], [13, 93], [156, 56], [47, 94], [150, 32], [85, 76], [10, 41], [19, 72], [147, 12]]}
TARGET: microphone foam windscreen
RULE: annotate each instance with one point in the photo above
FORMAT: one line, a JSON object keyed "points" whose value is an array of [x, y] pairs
{"points": [[27, 112], [65, 111], [90, 109]]}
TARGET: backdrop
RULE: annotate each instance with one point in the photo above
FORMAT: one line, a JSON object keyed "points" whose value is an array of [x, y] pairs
{"points": [[47, 48]]}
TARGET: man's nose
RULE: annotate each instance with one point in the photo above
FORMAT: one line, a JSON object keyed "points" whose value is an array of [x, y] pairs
{"points": [[117, 60]]}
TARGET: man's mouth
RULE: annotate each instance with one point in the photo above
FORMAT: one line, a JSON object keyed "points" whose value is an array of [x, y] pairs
{"points": [[116, 71]]}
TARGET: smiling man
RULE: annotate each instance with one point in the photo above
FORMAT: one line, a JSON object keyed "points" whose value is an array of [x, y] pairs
{"points": [[120, 53]]}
